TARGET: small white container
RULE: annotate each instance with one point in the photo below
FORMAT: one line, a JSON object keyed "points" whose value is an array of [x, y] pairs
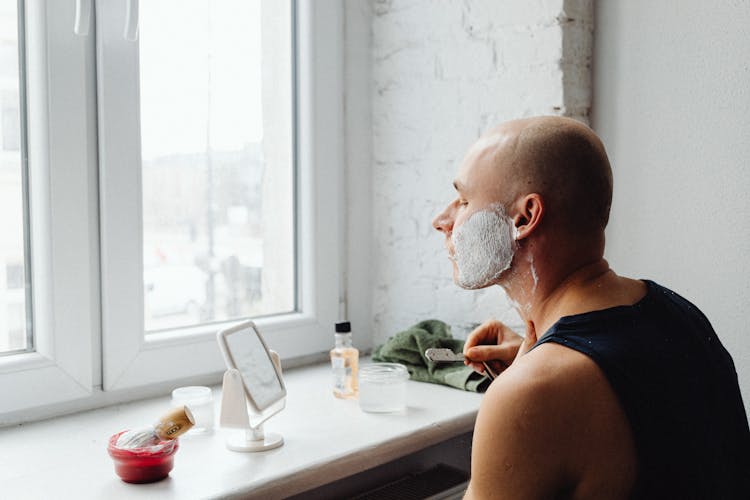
{"points": [[382, 387], [200, 400]]}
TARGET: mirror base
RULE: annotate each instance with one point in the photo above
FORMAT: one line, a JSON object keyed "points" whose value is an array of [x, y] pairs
{"points": [[240, 442]]}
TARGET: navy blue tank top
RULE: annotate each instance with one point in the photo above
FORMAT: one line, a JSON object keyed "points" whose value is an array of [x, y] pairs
{"points": [[678, 387]]}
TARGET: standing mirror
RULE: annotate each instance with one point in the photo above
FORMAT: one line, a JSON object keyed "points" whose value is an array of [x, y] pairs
{"points": [[253, 379]]}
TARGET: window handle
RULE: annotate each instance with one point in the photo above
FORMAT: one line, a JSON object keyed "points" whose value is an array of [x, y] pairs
{"points": [[83, 17], [131, 20]]}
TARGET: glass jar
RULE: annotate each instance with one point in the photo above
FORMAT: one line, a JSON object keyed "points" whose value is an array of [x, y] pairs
{"points": [[382, 387], [200, 400]]}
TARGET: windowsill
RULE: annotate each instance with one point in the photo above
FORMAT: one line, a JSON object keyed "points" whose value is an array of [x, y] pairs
{"points": [[326, 439]]}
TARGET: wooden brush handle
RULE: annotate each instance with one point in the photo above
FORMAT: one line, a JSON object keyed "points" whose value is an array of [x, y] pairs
{"points": [[175, 423]]}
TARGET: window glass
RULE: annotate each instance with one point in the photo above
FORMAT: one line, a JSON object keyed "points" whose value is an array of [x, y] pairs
{"points": [[14, 332], [217, 163]]}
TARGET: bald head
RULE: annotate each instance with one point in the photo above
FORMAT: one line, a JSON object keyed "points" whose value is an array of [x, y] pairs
{"points": [[562, 160]]}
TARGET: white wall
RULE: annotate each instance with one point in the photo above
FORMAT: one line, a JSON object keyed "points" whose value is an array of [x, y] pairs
{"points": [[672, 104], [357, 224], [442, 73]]}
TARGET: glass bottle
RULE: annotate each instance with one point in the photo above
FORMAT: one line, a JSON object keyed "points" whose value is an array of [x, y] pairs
{"points": [[344, 361]]}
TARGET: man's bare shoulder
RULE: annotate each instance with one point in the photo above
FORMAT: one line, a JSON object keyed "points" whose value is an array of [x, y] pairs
{"points": [[551, 389], [544, 427], [546, 378]]}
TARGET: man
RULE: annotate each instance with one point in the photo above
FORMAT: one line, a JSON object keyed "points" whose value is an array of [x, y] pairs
{"points": [[620, 388]]}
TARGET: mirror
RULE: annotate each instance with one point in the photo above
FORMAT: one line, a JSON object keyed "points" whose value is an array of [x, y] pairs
{"points": [[244, 349]]}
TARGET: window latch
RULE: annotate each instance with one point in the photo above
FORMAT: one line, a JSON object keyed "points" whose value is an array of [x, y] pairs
{"points": [[83, 17], [131, 20]]}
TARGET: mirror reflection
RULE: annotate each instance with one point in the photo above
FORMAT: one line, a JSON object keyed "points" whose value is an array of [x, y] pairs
{"points": [[255, 366]]}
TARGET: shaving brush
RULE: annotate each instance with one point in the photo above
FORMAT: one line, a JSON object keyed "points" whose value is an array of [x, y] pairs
{"points": [[171, 425]]}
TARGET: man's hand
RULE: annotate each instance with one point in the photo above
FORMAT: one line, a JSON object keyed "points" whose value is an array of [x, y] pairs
{"points": [[494, 343]]}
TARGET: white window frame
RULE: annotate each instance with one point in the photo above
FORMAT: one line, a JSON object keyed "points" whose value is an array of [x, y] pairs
{"points": [[132, 360], [63, 218], [90, 348]]}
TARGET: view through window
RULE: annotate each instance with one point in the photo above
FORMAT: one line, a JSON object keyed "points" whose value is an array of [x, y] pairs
{"points": [[13, 283], [217, 142]]}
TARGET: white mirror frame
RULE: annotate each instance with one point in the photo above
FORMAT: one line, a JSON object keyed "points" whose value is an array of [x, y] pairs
{"points": [[231, 362]]}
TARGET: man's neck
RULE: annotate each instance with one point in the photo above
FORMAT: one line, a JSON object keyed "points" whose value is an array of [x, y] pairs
{"points": [[543, 293]]}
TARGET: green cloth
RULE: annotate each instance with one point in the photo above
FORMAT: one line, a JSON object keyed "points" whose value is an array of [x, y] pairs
{"points": [[408, 348]]}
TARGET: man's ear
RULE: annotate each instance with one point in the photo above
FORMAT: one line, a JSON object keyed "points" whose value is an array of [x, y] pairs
{"points": [[529, 216]]}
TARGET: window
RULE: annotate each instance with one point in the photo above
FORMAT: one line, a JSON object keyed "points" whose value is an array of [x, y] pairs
{"points": [[184, 171], [13, 299], [218, 225]]}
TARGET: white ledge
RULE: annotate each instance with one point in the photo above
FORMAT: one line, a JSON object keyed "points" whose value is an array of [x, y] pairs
{"points": [[326, 439]]}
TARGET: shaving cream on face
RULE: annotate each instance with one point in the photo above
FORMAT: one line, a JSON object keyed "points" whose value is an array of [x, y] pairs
{"points": [[484, 245]]}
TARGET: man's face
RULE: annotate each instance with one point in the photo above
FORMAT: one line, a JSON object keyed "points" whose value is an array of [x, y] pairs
{"points": [[479, 234]]}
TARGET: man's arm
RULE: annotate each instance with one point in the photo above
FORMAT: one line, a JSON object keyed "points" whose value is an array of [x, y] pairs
{"points": [[517, 450], [551, 425]]}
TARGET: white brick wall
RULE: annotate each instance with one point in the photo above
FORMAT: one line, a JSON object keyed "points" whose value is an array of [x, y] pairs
{"points": [[441, 73]]}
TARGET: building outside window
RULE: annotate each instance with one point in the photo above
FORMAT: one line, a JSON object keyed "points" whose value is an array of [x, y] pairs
{"points": [[217, 161]]}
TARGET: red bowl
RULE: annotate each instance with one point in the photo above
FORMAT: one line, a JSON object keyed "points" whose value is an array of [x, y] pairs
{"points": [[143, 465]]}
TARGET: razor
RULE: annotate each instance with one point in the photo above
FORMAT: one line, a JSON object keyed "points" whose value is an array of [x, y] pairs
{"points": [[440, 355]]}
